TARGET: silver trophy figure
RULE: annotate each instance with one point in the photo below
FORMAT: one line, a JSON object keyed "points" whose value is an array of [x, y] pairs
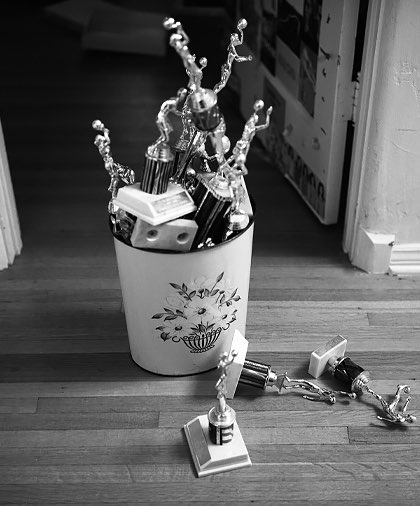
{"points": [[159, 159], [172, 105], [241, 148], [234, 168], [222, 417], [116, 171], [394, 416], [319, 393], [235, 40], [202, 102], [122, 223]]}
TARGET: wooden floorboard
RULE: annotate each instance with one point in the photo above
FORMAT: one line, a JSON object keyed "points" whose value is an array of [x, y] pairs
{"points": [[80, 422]]}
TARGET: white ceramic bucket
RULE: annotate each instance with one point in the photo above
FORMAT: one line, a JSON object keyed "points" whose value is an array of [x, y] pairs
{"points": [[182, 309]]}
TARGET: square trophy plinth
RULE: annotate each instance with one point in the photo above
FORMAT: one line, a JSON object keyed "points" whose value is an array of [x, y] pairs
{"points": [[210, 458], [155, 209], [335, 347]]}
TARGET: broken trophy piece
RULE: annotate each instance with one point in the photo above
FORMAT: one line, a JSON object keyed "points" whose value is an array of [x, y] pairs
{"points": [[257, 374], [330, 356]]}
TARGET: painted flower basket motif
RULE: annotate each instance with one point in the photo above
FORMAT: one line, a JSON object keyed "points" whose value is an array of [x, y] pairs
{"points": [[198, 314]]}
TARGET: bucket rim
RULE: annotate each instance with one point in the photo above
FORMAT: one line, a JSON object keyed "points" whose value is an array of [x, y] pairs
{"points": [[196, 251]]}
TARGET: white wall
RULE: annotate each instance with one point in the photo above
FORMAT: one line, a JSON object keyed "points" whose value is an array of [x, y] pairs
{"points": [[388, 200]]}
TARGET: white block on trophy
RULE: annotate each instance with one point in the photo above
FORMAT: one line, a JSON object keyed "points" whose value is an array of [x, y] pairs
{"points": [[240, 346], [175, 235], [335, 347], [155, 209]]}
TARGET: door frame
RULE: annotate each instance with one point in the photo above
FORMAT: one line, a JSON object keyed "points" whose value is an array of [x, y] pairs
{"points": [[363, 119]]}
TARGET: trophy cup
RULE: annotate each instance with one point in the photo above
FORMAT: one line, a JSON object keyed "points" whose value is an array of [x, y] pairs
{"points": [[259, 375], [330, 356], [215, 441]]}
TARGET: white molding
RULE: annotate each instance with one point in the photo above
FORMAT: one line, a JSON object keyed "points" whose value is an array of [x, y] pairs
{"points": [[372, 251], [10, 240], [405, 259], [375, 21]]}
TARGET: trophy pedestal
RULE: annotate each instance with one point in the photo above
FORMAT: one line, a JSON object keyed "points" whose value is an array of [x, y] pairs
{"points": [[210, 458], [155, 209], [174, 235], [336, 347]]}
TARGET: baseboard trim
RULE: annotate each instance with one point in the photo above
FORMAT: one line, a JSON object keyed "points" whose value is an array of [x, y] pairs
{"points": [[372, 251], [405, 259]]}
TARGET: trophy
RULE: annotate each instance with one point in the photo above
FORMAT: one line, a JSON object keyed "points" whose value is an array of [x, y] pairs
{"points": [[259, 375], [155, 200], [215, 441], [201, 104], [159, 158], [235, 40], [122, 222], [330, 356]]}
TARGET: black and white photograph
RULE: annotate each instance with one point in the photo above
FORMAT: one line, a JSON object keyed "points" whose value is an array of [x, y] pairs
{"points": [[210, 252]]}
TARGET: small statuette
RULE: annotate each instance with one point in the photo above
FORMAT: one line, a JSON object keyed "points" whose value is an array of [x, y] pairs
{"points": [[215, 441], [235, 40], [257, 374], [240, 151], [159, 159], [320, 393], [116, 171], [330, 356]]}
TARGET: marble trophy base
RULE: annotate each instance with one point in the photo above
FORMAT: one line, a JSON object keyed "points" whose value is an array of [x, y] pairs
{"points": [[155, 209], [210, 458], [318, 363]]}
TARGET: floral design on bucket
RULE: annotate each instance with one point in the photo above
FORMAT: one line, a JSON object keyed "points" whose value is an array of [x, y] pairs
{"points": [[198, 314]]}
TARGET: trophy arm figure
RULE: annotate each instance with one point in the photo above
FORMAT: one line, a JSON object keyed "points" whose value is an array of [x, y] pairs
{"points": [[240, 152], [179, 41], [188, 128], [225, 361], [116, 171], [235, 40], [321, 394], [390, 409], [162, 122], [220, 141]]}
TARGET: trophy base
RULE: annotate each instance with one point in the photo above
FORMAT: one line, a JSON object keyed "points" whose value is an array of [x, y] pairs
{"points": [[155, 209], [210, 458], [336, 347], [174, 235]]}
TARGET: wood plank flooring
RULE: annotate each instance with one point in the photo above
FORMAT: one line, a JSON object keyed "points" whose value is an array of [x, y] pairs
{"points": [[80, 423]]}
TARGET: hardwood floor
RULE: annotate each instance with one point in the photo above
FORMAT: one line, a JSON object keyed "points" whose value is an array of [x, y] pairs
{"points": [[79, 421]]}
